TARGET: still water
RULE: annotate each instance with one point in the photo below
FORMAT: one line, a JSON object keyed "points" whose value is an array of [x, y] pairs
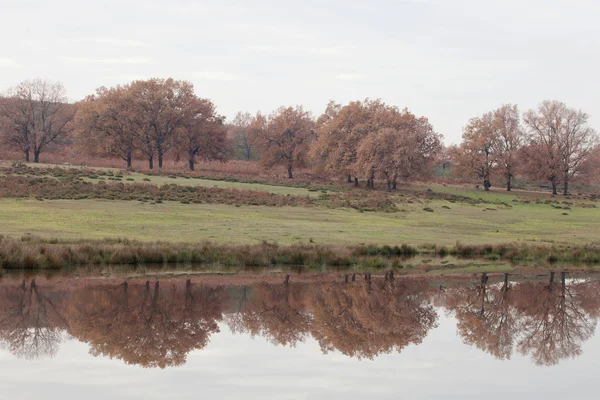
{"points": [[317, 338]]}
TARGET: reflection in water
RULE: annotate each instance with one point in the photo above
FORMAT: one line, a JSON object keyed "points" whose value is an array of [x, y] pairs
{"points": [[156, 324], [547, 321]]}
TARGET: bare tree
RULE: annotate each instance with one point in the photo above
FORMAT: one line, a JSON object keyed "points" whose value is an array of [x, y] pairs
{"points": [[562, 141], [35, 114], [239, 131]]}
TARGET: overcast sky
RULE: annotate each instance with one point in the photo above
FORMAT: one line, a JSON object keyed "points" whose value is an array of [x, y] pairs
{"points": [[449, 60]]}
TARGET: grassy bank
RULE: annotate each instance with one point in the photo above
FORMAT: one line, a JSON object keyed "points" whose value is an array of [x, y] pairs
{"points": [[29, 252]]}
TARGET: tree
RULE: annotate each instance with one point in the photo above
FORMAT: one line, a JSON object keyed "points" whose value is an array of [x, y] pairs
{"points": [[475, 154], [35, 114], [202, 133], [341, 129], [107, 122], [284, 137], [239, 131], [393, 154], [560, 142], [164, 106], [509, 137]]}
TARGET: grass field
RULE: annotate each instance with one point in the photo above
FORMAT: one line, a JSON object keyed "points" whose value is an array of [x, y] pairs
{"points": [[96, 219], [165, 180]]}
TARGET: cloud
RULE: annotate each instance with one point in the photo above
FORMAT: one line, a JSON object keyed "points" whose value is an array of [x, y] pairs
{"points": [[111, 41], [349, 77], [329, 51], [262, 48], [216, 76], [107, 61], [8, 63]]}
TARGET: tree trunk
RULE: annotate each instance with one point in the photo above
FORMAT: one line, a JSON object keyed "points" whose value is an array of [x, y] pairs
{"points": [[566, 187], [160, 160], [356, 181], [289, 169], [128, 159], [36, 156], [508, 183], [487, 185], [553, 181], [27, 155], [151, 162], [349, 179], [389, 186], [191, 162]]}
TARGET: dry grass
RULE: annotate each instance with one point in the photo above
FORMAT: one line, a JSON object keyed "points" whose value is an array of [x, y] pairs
{"points": [[31, 252]]}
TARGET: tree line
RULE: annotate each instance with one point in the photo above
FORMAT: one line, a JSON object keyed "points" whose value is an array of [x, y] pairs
{"points": [[367, 139], [552, 143]]}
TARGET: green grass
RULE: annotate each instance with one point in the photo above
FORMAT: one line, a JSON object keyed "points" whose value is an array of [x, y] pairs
{"points": [[97, 219], [165, 180]]}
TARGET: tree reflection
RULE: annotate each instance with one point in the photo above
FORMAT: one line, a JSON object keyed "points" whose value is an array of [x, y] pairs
{"points": [[276, 312], [145, 324], [546, 321], [364, 321], [554, 325], [157, 324], [30, 321], [357, 320]]}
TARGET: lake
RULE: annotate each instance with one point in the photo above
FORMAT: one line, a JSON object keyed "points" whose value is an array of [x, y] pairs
{"points": [[314, 337]]}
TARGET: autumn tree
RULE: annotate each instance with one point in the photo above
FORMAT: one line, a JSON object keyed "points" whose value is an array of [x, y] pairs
{"points": [[561, 141], [107, 123], [239, 132], [202, 134], [164, 105], [509, 138], [341, 129], [284, 137], [393, 154], [35, 114], [475, 155]]}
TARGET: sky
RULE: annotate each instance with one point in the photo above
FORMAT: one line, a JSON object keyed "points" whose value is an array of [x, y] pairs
{"points": [[449, 60]]}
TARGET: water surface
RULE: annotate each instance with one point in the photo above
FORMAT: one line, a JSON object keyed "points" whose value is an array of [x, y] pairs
{"points": [[310, 339]]}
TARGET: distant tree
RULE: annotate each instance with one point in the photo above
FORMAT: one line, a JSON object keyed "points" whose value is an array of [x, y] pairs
{"points": [[475, 155], [509, 138], [560, 142], [164, 106], [342, 128], [35, 114], [239, 131], [392, 154], [202, 134], [106, 123], [284, 137]]}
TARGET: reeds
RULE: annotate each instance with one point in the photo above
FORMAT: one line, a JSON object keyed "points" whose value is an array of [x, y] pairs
{"points": [[31, 252]]}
